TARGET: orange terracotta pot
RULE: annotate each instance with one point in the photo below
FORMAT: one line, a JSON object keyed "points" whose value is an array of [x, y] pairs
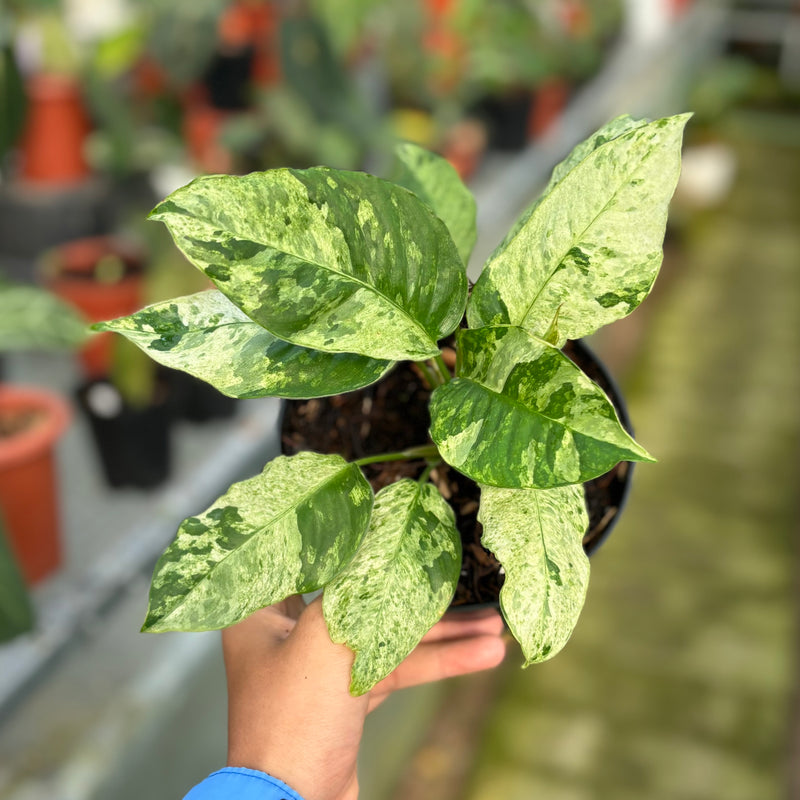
{"points": [[54, 134], [548, 104], [28, 490], [102, 277], [202, 129]]}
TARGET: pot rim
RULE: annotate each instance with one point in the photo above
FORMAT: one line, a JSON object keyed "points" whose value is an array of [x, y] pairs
{"points": [[31, 443]]}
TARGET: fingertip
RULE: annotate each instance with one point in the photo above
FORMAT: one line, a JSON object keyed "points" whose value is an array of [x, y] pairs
{"points": [[476, 654], [492, 651]]}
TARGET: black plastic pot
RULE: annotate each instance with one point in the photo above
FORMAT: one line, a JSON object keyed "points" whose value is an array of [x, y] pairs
{"points": [[133, 443], [507, 118], [616, 483], [197, 401], [336, 425]]}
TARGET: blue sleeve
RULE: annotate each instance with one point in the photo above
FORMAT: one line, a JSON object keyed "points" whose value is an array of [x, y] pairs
{"points": [[242, 784]]}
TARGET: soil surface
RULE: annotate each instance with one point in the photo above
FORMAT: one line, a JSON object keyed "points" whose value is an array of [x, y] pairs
{"points": [[19, 421], [393, 415]]}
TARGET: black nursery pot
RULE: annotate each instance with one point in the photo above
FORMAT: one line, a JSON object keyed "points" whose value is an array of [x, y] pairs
{"points": [[507, 117], [197, 401], [133, 443], [393, 415]]}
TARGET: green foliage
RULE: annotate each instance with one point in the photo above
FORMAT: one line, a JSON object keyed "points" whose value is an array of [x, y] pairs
{"points": [[325, 278], [16, 612], [400, 582], [34, 319]]}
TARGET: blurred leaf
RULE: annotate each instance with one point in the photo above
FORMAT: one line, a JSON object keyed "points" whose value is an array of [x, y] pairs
{"points": [[16, 611], [35, 319]]}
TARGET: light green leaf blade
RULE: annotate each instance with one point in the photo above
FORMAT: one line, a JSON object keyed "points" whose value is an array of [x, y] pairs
{"points": [[207, 336], [434, 180], [536, 534], [591, 249], [611, 130], [326, 259], [522, 415], [399, 584], [35, 319], [287, 530]]}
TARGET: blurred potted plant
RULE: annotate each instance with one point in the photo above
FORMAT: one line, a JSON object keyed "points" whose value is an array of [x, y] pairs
{"points": [[100, 276], [31, 421], [326, 279], [50, 184], [130, 416]]}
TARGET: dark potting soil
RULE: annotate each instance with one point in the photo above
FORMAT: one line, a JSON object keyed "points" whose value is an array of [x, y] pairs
{"points": [[392, 415], [19, 421]]}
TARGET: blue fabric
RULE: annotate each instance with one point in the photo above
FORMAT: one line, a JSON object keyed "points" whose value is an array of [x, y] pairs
{"points": [[241, 784]]}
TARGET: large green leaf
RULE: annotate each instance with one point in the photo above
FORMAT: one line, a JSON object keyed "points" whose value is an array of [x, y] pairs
{"points": [[16, 611], [536, 534], [435, 180], [331, 260], [591, 249], [288, 530], [207, 336], [522, 415], [398, 585]]}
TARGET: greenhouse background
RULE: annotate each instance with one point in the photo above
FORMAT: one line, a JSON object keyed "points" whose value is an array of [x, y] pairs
{"points": [[681, 679]]}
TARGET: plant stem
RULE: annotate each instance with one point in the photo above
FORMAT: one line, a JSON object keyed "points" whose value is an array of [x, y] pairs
{"points": [[428, 451], [431, 376], [427, 471], [442, 369]]}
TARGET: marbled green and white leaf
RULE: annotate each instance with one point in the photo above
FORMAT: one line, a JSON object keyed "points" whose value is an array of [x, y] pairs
{"points": [[536, 534], [522, 415], [399, 584], [289, 529], [434, 180], [207, 336], [611, 130], [591, 249], [326, 259]]}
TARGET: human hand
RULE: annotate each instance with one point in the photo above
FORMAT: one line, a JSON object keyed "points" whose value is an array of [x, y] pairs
{"points": [[290, 712]]}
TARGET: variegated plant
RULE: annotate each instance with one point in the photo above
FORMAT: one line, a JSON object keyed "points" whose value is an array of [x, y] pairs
{"points": [[324, 280]]}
